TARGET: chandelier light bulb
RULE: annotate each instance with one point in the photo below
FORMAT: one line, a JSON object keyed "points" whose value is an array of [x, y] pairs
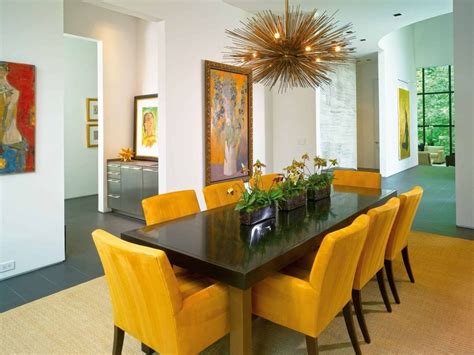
{"points": [[337, 49], [318, 60], [277, 35], [307, 48], [254, 54]]}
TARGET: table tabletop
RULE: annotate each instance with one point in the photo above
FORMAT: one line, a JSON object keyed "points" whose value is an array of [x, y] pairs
{"points": [[214, 243]]}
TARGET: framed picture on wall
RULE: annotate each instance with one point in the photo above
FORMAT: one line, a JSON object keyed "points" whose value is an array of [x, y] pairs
{"points": [[92, 110], [92, 135], [228, 122], [145, 136], [17, 118], [404, 123]]}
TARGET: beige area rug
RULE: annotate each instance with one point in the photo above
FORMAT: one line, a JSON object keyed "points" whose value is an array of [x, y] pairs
{"points": [[436, 315]]}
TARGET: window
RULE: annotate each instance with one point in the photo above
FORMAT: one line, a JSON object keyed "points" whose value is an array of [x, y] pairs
{"points": [[435, 107]]}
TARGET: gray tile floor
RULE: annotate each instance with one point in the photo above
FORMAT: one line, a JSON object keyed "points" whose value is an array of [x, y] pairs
{"points": [[437, 211], [436, 214]]}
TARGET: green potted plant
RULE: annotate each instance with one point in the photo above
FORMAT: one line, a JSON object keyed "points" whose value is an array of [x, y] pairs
{"points": [[293, 187], [255, 204], [318, 180]]}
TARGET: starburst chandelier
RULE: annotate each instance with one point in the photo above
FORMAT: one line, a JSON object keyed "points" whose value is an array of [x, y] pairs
{"points": [[298, 49]]}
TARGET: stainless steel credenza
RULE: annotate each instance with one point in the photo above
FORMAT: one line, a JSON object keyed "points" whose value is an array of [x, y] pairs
{"points": [[129, 183]]}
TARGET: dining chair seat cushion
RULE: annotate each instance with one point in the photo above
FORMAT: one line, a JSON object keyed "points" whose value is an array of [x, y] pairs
{"points": [[189, 283]]}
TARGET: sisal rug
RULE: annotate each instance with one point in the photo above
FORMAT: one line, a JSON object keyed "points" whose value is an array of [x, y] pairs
{"points": [[435, 315]]}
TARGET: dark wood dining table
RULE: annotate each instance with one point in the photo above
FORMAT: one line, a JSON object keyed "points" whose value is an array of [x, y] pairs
{"points": [[214, 243]]}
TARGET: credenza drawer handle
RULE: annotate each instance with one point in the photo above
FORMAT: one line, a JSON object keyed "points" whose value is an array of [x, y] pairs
{"points": [[113, 180], [113, 165], [114, 196], [113, 173], [151, 170]]}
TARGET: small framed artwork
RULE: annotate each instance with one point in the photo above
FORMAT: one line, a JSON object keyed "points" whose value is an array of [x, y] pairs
{"points": [[92, 110], [92, 135], [145, 136], [228, 122]]}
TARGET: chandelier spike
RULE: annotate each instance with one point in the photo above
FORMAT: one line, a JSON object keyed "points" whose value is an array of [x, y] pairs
{"points": [[296, 49]]}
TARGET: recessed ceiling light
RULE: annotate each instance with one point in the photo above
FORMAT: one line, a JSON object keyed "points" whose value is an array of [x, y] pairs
{"points": [[397, 14], [350, 32], [363, 40]]}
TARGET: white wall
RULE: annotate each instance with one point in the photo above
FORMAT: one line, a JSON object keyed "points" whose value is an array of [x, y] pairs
{"points": [[32, 205], [294, 126], [147, 38], [433, 41], [396, 69], [367, 112], [463, 79], [337, 117], [80, 82]]}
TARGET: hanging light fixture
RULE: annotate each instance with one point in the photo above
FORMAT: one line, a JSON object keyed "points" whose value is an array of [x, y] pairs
{"points": [[298, 49]]}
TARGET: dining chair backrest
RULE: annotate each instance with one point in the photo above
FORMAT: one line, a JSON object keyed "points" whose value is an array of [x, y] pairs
{"points": [[169, 206], [372, 256], [222, 194], [332, 274], [357, 179], [266, 182], [143, 288], [409, 202]]}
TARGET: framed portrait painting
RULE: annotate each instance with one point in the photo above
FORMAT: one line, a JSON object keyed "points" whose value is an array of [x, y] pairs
{"points": [[228, 122], [17, 118], [92, 135], [145, 137], [92, 110], [404, 123]]}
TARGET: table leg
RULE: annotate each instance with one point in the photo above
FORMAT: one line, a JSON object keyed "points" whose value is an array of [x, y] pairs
{"points": [[240, 321]]}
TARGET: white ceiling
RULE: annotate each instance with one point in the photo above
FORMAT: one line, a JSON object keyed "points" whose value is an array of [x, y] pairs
{"points": [[372, 19]]}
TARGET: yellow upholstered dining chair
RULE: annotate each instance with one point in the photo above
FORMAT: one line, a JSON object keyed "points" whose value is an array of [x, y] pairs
{"points": [[398, 240], [357, 179], [169, 314], [308, 300], [217, 195], [371, 260], [172, 205], [266, 181]]}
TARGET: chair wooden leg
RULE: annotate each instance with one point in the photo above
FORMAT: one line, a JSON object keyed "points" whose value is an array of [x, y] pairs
{"points": [[118, 341], [350, 327], [360, 316], [391, 281], [312, 345], [147, 350], [383, 290], [406, 261]]}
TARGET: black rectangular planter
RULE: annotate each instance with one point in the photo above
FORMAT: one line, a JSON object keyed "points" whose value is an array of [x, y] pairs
{"points": [[292, 203], [316, 195], [250, 218]]}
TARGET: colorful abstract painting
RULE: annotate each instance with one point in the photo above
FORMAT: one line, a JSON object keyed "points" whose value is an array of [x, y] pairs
{"points": [[228, 122], [404, 123], [146, 127], [17, 118]]}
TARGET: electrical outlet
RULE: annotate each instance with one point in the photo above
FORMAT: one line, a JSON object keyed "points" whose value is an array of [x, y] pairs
{"points": [[7, 266]]}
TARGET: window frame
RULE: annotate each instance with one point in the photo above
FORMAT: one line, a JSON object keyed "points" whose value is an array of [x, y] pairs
{"points": [[450, 94]]}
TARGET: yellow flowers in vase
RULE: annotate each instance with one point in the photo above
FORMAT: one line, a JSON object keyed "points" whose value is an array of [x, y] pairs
{"points": [[126, 154]]}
